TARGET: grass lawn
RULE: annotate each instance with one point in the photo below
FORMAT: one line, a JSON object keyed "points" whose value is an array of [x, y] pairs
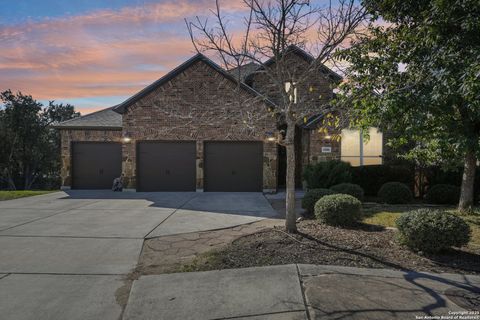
{"points": [[9, 195], [385, 215]]}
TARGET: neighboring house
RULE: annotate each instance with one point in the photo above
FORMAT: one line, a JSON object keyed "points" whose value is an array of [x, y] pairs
{"points": [[185, 132]]}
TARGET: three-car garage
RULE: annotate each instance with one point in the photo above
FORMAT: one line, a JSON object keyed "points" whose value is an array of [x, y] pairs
{"points": [[233, 166]]}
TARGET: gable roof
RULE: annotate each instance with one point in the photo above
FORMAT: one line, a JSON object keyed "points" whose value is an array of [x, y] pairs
{"points": [[304, 55], [102, 119], [245, 70], [122, 107]]}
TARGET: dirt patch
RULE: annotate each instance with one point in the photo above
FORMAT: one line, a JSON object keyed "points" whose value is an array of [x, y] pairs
{"points": [[366, 246], [169, 253]]}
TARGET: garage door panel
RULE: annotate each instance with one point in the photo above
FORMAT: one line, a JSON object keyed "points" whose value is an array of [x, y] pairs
{"points": [[233, 166], [95, 164], [166, 166]]}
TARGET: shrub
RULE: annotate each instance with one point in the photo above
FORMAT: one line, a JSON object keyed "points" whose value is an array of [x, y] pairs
{"points": [[326, 174], [312, 196], [371, 178], [443, 194], [395, 193], [349, 188], [338, 210], [432, 230]]}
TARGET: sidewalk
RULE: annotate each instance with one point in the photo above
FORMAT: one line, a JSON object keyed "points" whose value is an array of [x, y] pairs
{"points": [[294, 292]]}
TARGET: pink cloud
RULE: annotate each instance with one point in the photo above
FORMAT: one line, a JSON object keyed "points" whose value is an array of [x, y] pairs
{"points": [[103, 53]]}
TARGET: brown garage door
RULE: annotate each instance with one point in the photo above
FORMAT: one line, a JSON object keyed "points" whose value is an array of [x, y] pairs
{"points": [[233, 166], [166, 166], [95, 164]]}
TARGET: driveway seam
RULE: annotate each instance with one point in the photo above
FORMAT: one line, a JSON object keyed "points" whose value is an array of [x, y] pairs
{"points": [[57, 213], [304, 297], [209, 230], [4, 276], [257, 314], [171, 214], [34, 220], [141, 251], [66, 274], [70, 237]]}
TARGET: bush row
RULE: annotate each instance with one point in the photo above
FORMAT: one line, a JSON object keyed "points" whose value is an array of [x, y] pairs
{"points": [[370, 178], [389, 182]]}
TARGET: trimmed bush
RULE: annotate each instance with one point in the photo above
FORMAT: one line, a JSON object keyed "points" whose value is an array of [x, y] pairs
{"points": [[432, 230], [326, 174], [349, 188], [443, 194], [338, 210], [395, 193], [371, 178], [312, 196]]}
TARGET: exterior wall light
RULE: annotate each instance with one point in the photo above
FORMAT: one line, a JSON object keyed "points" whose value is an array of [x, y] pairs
{"points": [[126, 139], [270, 137], [328, 137]]}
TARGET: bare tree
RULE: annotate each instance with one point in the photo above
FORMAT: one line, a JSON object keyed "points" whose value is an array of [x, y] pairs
{"points": [[271, 29]]}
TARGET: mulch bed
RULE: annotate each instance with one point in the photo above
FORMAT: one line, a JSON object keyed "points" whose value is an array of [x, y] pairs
{"points": [[365, 246]]}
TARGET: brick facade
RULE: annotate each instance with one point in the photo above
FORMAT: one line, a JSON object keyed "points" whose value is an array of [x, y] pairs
{"points": [[199, 104], [77, 135], [316, 91]]}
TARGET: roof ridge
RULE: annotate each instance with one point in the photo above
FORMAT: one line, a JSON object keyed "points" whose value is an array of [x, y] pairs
{"points": [[120, 108], [300, 51]]}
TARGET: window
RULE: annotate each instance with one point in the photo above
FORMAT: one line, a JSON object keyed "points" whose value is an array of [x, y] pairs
{"points": [[293, 96], [358, 152]]}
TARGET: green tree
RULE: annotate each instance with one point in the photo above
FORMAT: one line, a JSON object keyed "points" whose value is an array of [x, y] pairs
{"points": [[417, 72], [29, 148]]}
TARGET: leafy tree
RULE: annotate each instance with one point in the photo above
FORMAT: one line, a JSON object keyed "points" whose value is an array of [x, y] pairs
{"points": [[271, 29], [417, 73], [29, 148]]}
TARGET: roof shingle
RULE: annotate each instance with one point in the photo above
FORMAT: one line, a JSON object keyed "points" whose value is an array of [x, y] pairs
{"points": [[102, 119]]}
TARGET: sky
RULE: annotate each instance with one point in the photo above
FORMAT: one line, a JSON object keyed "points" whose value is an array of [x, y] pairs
{"points": [[94, 53]]}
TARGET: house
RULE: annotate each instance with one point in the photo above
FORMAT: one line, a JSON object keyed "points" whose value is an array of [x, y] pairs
{"points": [[187, 132]]}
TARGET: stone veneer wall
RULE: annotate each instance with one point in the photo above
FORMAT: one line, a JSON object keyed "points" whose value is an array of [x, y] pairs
{"points": [[317, 141], [73, 135], [198, 105]]}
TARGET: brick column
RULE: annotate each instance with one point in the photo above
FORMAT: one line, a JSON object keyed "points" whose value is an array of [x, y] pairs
{"points": [[199, 163], [129, 165], [270, 165], [65, 154]]}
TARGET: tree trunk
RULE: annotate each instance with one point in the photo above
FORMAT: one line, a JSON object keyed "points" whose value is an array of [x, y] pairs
{"points": [[291, 217], [468, 179]]}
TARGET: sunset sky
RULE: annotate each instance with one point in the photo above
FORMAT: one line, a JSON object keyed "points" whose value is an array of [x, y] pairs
{"points": [[94, 53]]}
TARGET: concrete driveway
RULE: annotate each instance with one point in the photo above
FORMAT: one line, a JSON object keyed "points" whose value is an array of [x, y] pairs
{"points": [[66, 252]]}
